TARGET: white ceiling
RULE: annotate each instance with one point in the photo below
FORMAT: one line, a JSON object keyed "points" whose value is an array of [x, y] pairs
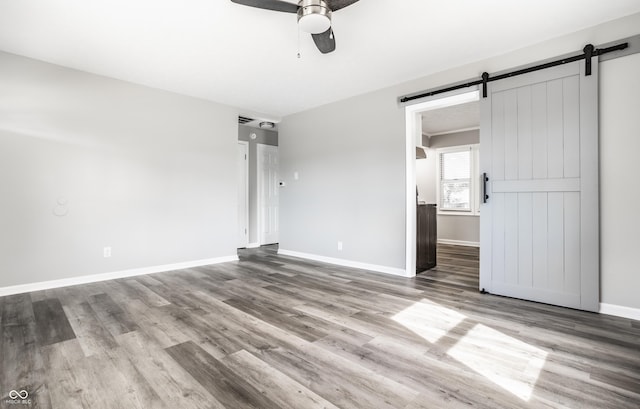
{"points": [[246, 57], [454, 118]]}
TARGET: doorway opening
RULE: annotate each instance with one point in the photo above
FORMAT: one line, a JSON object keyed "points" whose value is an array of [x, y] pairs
{"points": [[448, 185], [257, 142], [446, 129]]}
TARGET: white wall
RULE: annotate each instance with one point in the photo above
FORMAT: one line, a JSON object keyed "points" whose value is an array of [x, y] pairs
{"points": [[619, 170], [350, 155], [265, 137], [147, 172]]}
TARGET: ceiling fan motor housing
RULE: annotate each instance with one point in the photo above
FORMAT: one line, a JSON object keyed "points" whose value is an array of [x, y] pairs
{"points": [[314, 16]]}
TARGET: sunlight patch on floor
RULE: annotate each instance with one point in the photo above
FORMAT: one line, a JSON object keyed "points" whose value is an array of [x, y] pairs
{"points": [[510, 363], [429, 320]]}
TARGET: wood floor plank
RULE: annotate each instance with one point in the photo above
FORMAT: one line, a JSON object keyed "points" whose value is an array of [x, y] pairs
{"points": [[299, 298], [179, 298], [143, 293], [285, 392], [407, 367], [114, 318], [17, 310], [175, 386], [156, 324], [375, 387], [278, 331], [92, 335], [93, 381], [137, 385], [206, 331], [22, 365], [235, 330], [344, 383], [229, 388], [52, 324], [278, 319], [67, 375]]}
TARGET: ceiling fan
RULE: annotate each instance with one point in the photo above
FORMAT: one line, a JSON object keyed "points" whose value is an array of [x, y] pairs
{"points": [[314, 17]]}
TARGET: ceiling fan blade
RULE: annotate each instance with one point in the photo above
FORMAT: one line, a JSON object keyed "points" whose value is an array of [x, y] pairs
{"points": [[326, 42], [275, 5], [335, 5]]}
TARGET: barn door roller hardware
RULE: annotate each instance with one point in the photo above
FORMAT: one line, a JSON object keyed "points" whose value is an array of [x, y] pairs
{"points": [[588, 52]]}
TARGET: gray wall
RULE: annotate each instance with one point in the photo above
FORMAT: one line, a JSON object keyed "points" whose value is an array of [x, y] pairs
{"points": [[453, 139], [350, 155], [144, 171], [619, 169], [450, 227], [350, 159], [265, 137], [459, 228]]}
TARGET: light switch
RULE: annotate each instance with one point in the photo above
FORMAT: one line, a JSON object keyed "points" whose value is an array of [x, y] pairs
{"points": [[296, 176]]}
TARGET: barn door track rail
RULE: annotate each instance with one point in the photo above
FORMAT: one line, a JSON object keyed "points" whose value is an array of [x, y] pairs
{"points": [[588, 52]]}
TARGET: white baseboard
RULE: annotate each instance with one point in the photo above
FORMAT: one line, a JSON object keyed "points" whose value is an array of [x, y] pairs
{"points": [[620, 311], [459, 243], [347, 263], [253, 245], [66, 282]]}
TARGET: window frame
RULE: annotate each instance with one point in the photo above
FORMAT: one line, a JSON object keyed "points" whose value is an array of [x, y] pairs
{"points": [[474, 180]]}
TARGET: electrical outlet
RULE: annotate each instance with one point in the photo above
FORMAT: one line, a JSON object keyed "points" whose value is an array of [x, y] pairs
{"points": [[106, 252], [339, 246]]}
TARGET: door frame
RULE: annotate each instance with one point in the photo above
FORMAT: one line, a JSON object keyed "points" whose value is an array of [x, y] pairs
{"points": [[259, 148], [413, 135], [246, 184]]}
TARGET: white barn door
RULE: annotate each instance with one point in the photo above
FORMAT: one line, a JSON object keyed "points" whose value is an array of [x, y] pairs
{"points": [[268, 201], [539, 228]]}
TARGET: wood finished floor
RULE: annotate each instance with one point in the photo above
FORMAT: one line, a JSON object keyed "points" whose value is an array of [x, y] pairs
{"points": [[277, 332]]}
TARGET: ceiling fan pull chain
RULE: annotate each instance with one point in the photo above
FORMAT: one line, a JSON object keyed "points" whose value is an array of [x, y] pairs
{"points": [[298, 42]]}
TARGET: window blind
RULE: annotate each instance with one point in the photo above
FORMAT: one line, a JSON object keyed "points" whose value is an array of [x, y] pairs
{"points": [[455, 180]]}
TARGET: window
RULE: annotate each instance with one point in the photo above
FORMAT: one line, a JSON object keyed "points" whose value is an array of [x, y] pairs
{"points": [[458, 179]]}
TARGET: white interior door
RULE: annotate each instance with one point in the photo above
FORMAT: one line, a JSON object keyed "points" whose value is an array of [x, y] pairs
{"points": [[268, 193], [539, 148], [243, 194]]}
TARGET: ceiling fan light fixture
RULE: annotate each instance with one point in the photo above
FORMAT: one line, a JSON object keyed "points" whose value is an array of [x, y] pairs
{"points": [[314, 16], [267, 125]]}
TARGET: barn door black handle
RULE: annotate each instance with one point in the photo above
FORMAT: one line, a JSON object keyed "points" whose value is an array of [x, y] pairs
{"points": [[485, 196]]}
